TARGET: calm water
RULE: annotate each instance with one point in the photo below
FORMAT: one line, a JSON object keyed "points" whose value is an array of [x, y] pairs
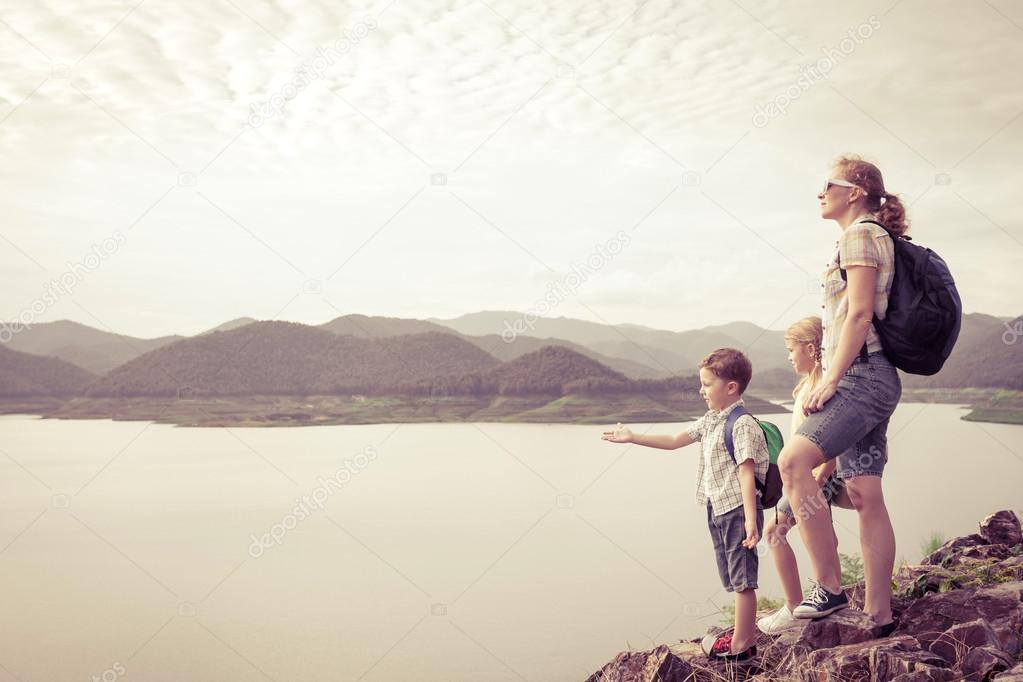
{"points": [[136, 551]]}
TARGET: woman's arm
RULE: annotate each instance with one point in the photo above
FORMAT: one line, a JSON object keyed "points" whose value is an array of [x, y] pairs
{"points": [[861, 283]]}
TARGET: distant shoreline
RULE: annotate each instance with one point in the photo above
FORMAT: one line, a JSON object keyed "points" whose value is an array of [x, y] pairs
{"points": [[274, 411], [993, 405], [985, 405]]}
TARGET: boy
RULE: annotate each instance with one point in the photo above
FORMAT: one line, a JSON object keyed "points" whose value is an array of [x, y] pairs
{"points": [[734, 513]]}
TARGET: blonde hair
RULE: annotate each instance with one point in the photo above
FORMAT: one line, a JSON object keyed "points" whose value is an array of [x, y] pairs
{"points": [[808, 330], [890, 213]]}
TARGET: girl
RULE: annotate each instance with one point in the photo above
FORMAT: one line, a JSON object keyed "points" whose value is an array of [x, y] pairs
{"points": [[803, 342], [849, 410]]}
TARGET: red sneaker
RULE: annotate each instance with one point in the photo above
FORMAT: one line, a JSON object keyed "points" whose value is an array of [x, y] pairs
{"points": [[719, 647]]}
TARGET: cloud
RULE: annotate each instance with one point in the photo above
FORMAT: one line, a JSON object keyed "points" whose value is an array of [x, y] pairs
{"points": [[554, 125]]}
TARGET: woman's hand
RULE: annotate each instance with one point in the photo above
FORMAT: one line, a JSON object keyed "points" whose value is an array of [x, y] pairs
{"points": [[819, 397], [621, 434]]}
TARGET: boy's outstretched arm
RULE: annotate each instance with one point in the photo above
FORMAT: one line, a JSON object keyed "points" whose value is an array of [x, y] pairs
{"points": [[664, 441], [748, 485]]}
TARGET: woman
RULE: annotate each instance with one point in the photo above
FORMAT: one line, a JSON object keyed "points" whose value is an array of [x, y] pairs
{"points": [[849, 410]]}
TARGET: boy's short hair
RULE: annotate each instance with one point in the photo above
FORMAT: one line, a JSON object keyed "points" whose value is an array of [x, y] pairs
{"points": [[731, 365]]}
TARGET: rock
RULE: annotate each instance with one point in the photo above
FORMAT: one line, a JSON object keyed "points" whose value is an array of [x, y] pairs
{"points": [[1013, 566], [955, 642], [661, 664], [927, 673], [983, 662], [960, 618], [914, 582], [1002, 528], [879, 659], [1011, 675], [857, 592], [1000, 605], [790, 637], [953, 547], [888, 663], [848, 626], [996, 552]]}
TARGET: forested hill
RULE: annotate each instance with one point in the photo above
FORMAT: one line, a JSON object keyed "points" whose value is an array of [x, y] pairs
{"points": [[25, 375], [289, 358]]}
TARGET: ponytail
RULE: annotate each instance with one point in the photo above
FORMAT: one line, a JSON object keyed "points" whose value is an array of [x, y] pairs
{"points": [[888, 208], [808, 330], [892, 214]]}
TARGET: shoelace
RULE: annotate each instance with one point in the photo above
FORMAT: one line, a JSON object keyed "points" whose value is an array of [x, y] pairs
{"points": [[817, 594]]}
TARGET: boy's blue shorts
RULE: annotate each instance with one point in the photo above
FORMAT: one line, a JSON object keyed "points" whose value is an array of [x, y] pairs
{"points": [[737, 565]]}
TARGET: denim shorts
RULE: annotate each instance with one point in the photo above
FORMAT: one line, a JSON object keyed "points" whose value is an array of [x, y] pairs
{"points": [[832, 486], [737, 565], [853, 425]]}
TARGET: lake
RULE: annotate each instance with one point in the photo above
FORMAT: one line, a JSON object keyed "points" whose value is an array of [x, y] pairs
{"points": [[434, 552]]}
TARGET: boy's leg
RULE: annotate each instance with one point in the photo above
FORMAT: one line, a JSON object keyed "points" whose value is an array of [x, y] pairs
{"points": [[744, 567], [784, 558], [745, 617], [720, 552], [798, 458]]}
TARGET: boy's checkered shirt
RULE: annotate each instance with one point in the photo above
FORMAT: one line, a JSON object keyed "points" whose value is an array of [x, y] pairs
{"points": [[717, 476]]}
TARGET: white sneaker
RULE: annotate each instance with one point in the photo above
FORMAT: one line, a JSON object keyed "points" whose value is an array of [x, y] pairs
{"points": [[779, 621]]}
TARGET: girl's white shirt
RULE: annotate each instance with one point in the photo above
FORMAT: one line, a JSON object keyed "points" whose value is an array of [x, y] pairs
{"points": [[797, 410]]}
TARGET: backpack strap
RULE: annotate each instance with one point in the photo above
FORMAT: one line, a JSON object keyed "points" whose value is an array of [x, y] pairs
{"points": [[733, 416]]}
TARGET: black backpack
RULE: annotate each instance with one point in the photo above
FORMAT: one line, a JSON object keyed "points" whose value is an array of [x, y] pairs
{"points": [[770, 488], [925, 312]]}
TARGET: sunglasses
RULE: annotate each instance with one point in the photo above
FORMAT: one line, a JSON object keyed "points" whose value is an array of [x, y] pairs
{"points": [[839, 183]]}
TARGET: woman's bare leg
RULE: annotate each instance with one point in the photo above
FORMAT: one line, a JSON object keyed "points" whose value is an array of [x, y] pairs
{"points": [[877, 542], [797, 460]]}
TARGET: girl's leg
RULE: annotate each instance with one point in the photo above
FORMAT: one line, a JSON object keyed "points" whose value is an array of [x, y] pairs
{"points": [[785, 558], [797, 460], [877, 542], [841, 499]]}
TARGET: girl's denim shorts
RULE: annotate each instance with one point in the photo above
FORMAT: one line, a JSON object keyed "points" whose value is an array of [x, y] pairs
{"points": [[853, 425]]}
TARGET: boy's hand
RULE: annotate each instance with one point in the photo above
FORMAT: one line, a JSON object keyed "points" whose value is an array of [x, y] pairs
{"points": [[752, 536], [621, 434]]}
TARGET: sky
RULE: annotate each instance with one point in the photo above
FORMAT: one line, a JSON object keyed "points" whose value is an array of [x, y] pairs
{"points": [[167, 167]]}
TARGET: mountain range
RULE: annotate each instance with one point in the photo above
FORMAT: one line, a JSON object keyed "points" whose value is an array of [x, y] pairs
{"points": [[469, 354]]}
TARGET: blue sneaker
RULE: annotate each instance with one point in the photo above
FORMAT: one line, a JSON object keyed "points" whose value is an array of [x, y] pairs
{"points": [[820, 602]]}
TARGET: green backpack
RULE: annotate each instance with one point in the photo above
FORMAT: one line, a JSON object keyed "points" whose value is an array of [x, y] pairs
{"points": [[770, 487]]}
